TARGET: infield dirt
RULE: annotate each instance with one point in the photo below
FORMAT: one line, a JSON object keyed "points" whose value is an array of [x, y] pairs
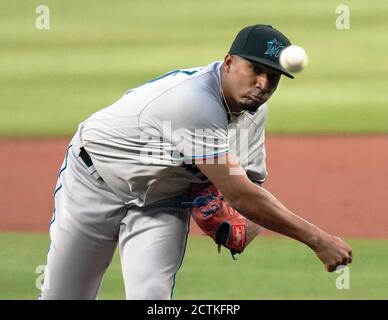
{"points": [[338, 182]]}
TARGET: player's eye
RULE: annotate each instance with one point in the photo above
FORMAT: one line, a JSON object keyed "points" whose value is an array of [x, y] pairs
{"points": [[274, 77], [256, 69]]}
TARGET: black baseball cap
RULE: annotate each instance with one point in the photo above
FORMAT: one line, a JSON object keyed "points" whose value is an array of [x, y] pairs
{"points": [[261, 43]]}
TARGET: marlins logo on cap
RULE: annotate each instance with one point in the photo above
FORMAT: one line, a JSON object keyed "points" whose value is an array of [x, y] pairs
{"points": [[274, 47], [261, 44]]}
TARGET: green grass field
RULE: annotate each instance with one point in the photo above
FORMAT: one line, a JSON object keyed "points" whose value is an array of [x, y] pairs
{"points": [[51, 80], [271, 268]]}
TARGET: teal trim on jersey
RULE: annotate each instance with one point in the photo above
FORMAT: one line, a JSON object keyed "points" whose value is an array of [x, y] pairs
{"points": [[65, 166], [216, 155], [173, 73], [183, 255], [57, 189], [60, 186], [212, 156], [53, 218]]}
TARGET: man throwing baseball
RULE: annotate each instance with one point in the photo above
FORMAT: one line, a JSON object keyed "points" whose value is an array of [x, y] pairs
{"points": [[188, 142]]}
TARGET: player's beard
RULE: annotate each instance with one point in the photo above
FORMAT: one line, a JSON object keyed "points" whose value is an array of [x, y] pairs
{"points": [[251, 105]]}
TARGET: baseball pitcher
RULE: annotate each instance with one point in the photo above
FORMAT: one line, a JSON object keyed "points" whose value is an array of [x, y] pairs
{"points": [[189, 143]]}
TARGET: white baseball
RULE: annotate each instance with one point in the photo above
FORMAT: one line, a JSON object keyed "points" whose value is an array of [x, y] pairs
{"points": [[293, 58]]}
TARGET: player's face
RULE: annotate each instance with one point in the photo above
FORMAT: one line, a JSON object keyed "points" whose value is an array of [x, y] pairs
{"points": [[252, 83]]}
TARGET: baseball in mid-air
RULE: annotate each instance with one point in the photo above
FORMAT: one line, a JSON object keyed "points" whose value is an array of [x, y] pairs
{"points": [[293, 58]]}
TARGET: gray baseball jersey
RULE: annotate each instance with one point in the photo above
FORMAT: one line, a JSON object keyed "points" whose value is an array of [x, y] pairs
{"points": [[142, 149], [143, 144]]}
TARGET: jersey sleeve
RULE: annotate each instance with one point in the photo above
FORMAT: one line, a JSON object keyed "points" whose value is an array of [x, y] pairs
{"points": [[194, 124]]}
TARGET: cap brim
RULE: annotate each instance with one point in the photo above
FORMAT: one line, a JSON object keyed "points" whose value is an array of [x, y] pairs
{"points": [[269, 63]]}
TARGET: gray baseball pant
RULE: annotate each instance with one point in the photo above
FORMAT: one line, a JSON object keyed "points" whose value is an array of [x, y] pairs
{"points": [[90, 220]]}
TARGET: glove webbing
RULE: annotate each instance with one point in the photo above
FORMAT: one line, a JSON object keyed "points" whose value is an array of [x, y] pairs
{"points": [[223, 230]]}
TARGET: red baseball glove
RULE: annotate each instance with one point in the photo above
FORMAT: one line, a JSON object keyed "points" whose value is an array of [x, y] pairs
{"points": [[219, 220]]}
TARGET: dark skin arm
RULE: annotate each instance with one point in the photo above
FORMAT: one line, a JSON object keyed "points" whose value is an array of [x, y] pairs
{"points": [[261, 207]]}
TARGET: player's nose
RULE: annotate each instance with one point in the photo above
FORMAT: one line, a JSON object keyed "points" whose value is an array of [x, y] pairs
{"points": [[262, 82]]}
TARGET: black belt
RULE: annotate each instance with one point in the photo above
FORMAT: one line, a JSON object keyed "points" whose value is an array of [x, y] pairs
{"points": [[85, 157]]}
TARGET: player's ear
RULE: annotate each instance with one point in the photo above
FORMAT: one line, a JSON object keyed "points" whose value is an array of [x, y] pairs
{"points": [[227, 62]]}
